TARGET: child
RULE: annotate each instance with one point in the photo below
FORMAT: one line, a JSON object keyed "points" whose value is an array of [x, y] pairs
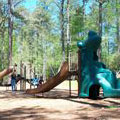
{"points": [[13, 81], [35, 81], [41, 80]]}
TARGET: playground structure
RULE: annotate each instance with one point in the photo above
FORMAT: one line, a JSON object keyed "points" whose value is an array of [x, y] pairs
{"points": [[26, 73], [54, 81], [94, 74], [21, 74], [5, 72], [21, 78]]}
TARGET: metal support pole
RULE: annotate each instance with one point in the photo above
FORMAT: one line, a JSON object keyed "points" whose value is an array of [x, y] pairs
{"points": [[79, 72]]}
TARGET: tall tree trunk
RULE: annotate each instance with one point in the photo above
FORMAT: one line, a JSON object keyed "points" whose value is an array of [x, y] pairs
{"points": [[117, 25], [100, 18], [2, 51], [68, 28], [83, 13], [62, 28], [44, 60], [68, 38], [100, 26], [10, 30]]}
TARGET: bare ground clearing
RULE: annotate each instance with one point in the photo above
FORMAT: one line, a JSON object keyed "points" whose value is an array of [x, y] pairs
{"points": [[56, 105]]}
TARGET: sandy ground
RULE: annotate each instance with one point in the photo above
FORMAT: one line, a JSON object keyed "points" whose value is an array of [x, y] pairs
{"points": [[56, 105]]}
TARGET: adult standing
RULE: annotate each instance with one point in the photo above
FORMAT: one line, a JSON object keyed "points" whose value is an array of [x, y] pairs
{"points": [[13, 81]]}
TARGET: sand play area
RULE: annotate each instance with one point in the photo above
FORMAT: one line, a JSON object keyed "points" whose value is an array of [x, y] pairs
{"points": [[56, 105]]}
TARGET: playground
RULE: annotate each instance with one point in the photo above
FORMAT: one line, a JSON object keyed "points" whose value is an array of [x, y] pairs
{"points": [[94, 93], [56, 105], [59, 60]]}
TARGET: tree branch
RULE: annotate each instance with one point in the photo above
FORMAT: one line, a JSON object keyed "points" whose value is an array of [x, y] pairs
{"points": [[17, 3]]}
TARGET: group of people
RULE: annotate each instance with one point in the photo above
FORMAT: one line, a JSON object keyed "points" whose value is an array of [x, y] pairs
{"points": [[35, 81]]}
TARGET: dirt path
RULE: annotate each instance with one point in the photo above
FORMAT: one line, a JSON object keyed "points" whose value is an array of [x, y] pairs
{"points": [[56, 105]]}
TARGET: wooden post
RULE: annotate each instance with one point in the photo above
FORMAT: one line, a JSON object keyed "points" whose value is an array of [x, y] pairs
{"points": [[79, 72], [34, 71], [70, 87], [24, 82], [21, 73], [15, 72], [69, 77], [30, 75]]}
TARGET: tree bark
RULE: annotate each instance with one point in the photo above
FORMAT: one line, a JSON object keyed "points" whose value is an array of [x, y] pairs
{"points": [[100, 19], [100, 26], [44, 60], [68, 28], [62, 28], [10, 30], [83, 13], [2, 51]]}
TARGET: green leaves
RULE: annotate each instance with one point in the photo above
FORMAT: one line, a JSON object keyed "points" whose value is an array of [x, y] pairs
{"points": [[37, 33]]}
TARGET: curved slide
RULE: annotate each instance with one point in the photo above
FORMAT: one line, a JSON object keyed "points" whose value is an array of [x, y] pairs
{"points": [[52, 82], [5, 72]]}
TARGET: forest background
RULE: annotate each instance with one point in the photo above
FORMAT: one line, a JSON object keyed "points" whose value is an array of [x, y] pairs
{"points": [[44, 33]]}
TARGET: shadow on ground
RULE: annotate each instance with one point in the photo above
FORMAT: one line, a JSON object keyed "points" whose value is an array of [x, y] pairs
{"points": [[53, 94], [38, 113], [23, 113], [101, 109], [96, 104], [63, 94]]}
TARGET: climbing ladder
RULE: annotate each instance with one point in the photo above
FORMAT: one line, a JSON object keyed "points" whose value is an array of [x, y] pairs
{"points": [[73, 66], [73, 61]]}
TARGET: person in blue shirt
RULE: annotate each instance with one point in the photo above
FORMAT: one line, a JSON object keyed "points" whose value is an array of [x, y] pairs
{"points": [[35, 81], [13, 81]]}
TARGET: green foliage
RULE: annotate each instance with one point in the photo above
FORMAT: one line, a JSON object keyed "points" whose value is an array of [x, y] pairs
{"points": [[36, 35], [114, 62], [77, 22], [76, 27]]}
